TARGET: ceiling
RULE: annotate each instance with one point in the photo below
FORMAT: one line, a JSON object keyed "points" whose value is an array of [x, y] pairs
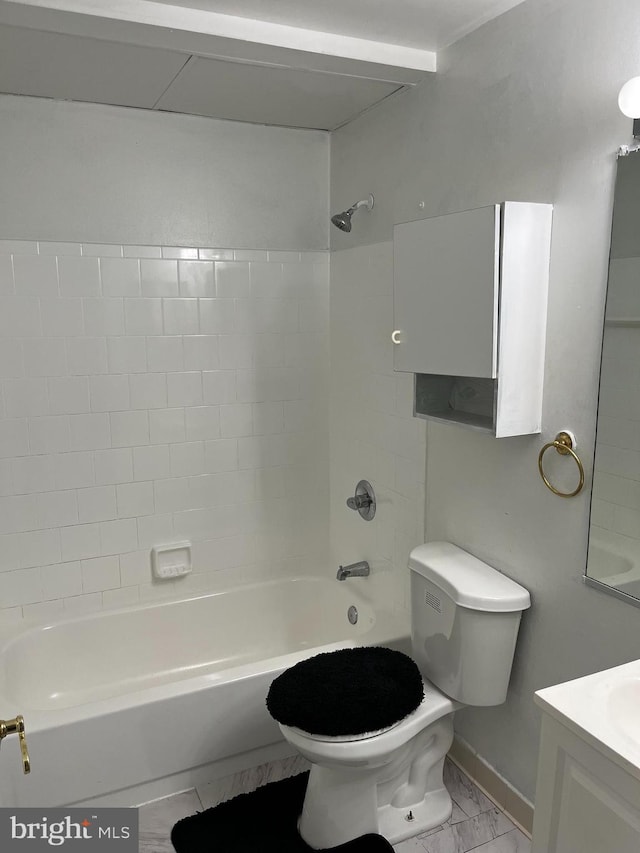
{"points": [[423, 24], [294, 63]]}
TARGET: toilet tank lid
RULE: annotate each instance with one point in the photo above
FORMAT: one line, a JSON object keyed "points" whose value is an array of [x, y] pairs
{"points": [[467, 580]]}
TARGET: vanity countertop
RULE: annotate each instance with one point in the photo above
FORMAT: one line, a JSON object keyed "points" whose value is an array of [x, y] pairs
{"points": [[604, 709]]}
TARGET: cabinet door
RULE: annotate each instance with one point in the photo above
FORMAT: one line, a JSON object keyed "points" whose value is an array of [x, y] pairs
{"points": [[446, 286]]}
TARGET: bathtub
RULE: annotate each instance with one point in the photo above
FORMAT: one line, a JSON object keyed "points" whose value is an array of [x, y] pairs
{"points": [[127, 705]]}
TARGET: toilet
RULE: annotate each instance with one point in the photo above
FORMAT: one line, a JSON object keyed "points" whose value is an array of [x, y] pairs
{"points": [[464, 624]]}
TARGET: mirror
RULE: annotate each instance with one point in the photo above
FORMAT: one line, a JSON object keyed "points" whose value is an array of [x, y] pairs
{"points": [[614, 532]]}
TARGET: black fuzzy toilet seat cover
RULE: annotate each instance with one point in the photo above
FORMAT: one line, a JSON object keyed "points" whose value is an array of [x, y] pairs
{"points": [[347, 692]]}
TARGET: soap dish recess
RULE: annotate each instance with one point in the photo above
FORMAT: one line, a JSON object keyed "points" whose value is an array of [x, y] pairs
{"points": [[171, 561]]}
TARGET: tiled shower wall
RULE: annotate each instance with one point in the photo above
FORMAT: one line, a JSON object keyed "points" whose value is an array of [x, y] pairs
{"points": [[374, 435], [151, 395]]}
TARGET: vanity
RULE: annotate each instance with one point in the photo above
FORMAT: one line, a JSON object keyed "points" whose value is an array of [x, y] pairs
{"points": [[588, 789]]}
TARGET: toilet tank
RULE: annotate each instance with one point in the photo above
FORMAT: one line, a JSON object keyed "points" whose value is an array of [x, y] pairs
{"points": [[465, 617]]}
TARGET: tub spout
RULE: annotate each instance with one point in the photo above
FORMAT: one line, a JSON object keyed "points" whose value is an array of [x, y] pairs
{"points": [[355, 570]]}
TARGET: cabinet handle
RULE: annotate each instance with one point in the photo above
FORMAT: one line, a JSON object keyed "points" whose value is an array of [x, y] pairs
{"points": [[395, 336]]}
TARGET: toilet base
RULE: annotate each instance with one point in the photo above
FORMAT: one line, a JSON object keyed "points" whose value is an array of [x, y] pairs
{"points": [[344, 802], [434, 810]]}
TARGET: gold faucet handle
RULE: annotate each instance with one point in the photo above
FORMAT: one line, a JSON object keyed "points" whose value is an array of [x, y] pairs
{"points": [[16, 726]]}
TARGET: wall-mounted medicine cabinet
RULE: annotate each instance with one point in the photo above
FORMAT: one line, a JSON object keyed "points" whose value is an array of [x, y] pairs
{"points": [[470, 309]]}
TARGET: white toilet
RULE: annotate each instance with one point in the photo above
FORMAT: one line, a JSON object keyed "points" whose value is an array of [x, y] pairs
{"points": [[465, 617]]}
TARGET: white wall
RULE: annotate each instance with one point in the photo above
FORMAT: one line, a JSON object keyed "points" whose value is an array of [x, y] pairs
{"points": [[373, 435], [90, 173], [148, 392], [523, 109]]}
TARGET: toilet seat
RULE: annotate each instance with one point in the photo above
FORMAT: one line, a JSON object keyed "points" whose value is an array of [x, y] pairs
{"points": [[372, 746]]}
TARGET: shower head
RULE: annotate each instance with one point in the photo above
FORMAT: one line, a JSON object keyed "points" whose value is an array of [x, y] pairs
{"points": [[343, 220]]}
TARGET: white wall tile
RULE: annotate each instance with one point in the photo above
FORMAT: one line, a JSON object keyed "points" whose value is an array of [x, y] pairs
{"points": [[38, 547], [57, 509], [120, 276], [151, 463], [31, 474], [148, 390], [80, 541], [69, 395], [61, 580], [216, 316], [142, 251], [155, 530], [135, 499], [165, 354], [11, 362], [18, 513], [135, 568], [87, 356], [6, 478], [118, 537], [196, 278], [219, 386], [179, 252], [129, 428], [50, 248], [99, 574], [49, 434], [79, 276], [184, 389], [13, 438], [215, 254], [101, 250], [79, 604], [159, 277], [20, 317], [6, 276], [187, 458], [129, 375], [236, 420], [173, 495], [74, 470], [200, 352], [220, 455], [113, 466], [202, 422], [127, 355], [233, 279], [180, 316], [166, 426], [103, 317], [109, 393], [62, 318], [21, 587], [35, 275], [23, 397], [89, 432], [143, 316]]}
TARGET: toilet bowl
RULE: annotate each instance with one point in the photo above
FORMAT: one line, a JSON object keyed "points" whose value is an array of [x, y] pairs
{"points": [[465, 618]]}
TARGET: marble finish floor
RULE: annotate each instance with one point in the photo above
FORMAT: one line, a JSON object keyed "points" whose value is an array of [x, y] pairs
{"points": [[476, 824]]}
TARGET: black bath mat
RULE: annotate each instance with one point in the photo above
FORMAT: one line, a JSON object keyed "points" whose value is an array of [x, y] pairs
{"points": [[264, 821]]}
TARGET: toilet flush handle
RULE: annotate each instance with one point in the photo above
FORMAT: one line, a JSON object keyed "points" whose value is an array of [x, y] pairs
{"points": [[16, 726]]}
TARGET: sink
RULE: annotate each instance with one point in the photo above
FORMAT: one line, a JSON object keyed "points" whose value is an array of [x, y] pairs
{"points": [[588, 789], [623, 706], [604, 709]]}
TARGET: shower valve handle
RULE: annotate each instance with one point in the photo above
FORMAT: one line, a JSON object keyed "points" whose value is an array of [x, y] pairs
{"points": [[359, 502], [16, 726]]}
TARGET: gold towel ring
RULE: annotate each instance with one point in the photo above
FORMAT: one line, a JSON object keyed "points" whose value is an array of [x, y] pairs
{"points": [[563, 443]]}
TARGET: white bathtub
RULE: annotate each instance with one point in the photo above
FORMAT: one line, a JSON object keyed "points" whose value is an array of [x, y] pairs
{"points": [[127, 705]]}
